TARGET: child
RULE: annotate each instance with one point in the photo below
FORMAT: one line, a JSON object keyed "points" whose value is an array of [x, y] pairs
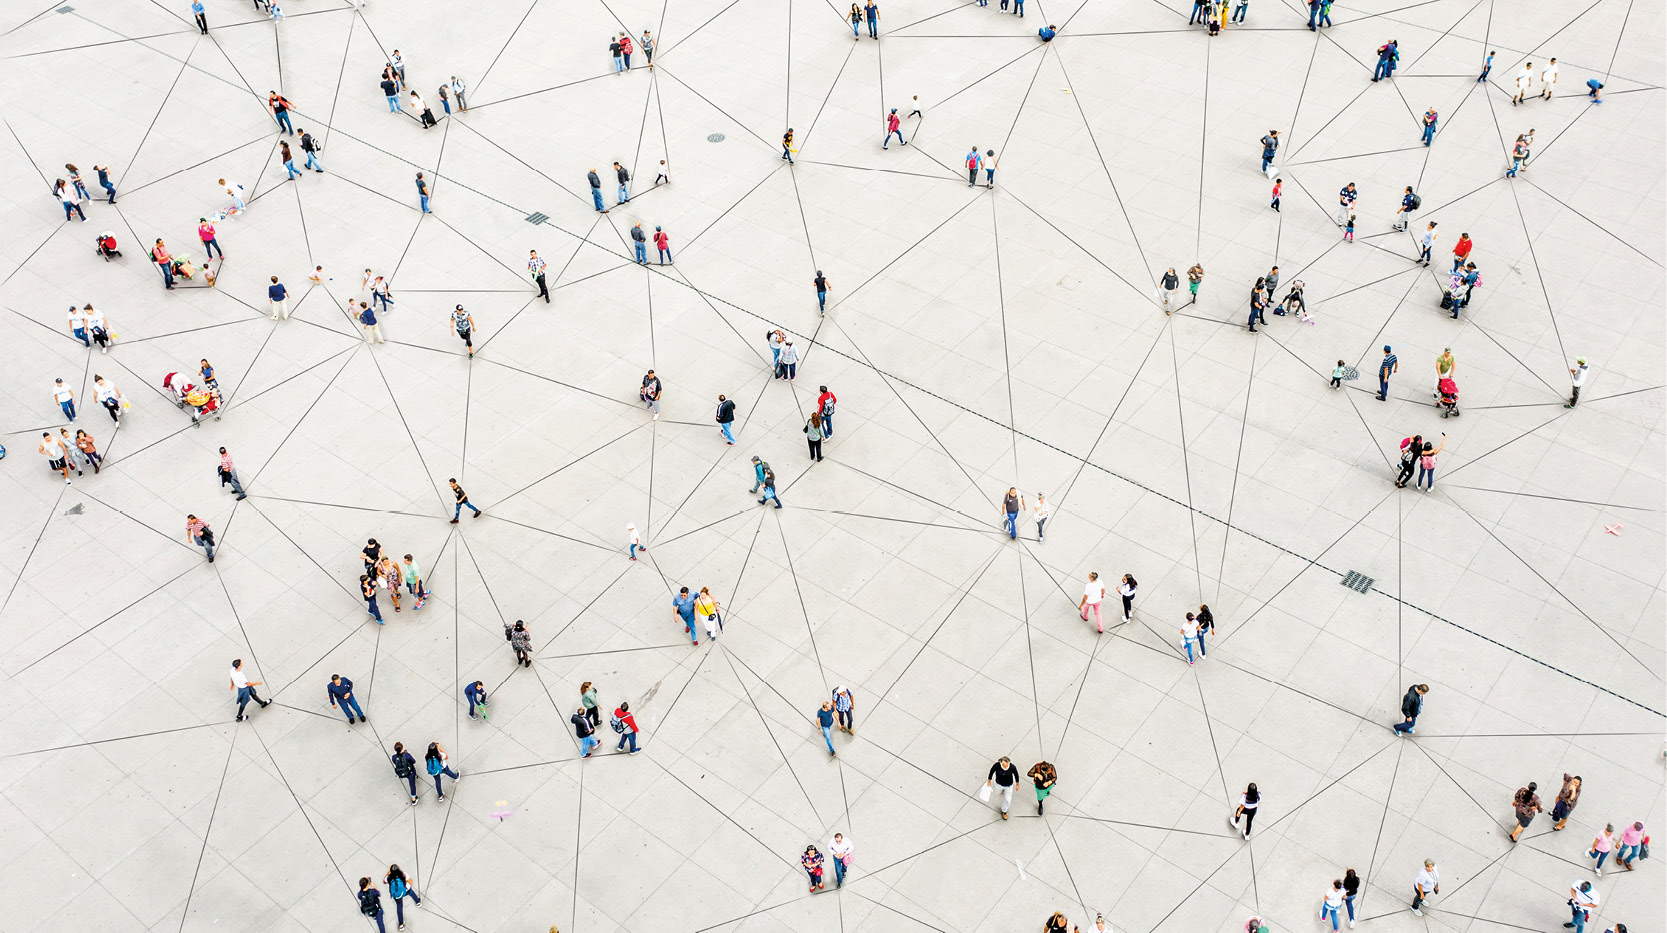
{"points": [[635, 539], [1337, 375], [1487, 66], [662, 177], [1348, 231], [1278, 186], [1215, 26], [1595, 86], [318, 273]]}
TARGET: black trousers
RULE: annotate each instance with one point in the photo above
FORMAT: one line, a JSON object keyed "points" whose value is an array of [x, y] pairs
{"points": [[816, 449], [1406, 471], [202, 22], [543, 290]]}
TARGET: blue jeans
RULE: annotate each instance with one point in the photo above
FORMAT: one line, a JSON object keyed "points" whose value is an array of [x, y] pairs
{"points": [[1383, 386], [291, 169], [665, 256], [208, 549], [827, 424], [619, 64], [1198, 14], [821, 301], [856, 27], [244, 695], [1381, 71], [424, 199], [74, 206], [446, 103], [623, 195], [231, 477], [1201, 651], [1019, 7], [1429, 133], [374, 610], [350, 706], [448, 772], [1600, 856], [689, 623], [898, 134], [1484, 74], [81, 190], [1424, 472], [68, 405], [473, 705], [596, 195], [634, 551], [769, 494], [213, 243], [642, 253], [399, 905], [724, 427], [283, 121], [458, 512], [312, 161], [1313, 13], [586, 743], [839, 866], [1267, 160], [81, 334], [1189, 642], [1325, 17], [1326, 910], [167, 273], [1626, 853], [627, 737], [1012, 525], [1579, 919], [393, 105], [787, 154], [1406, 725], [1348, 901], [827, 736], [110, 190], [873, 27], [1239, 12]]}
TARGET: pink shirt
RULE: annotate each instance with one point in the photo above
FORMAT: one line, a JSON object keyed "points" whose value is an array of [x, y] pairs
{"points": [[1631, 836], [1605, 843], [226, 462], [206, 232]]}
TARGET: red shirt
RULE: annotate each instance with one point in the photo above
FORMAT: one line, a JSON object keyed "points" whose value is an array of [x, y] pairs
{"points": [[625, 44], [823, 400], [660, 239], [1461, 249]]}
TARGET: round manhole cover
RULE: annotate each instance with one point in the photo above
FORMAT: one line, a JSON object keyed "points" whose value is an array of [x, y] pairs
{"points": [[715, 138]]}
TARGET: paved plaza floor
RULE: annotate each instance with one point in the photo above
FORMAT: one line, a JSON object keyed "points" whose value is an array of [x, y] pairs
{"points": [[977, 338]]}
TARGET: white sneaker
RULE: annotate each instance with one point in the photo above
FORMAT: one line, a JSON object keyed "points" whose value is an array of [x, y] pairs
{"points": [[1417, 913], [1600, 871]]}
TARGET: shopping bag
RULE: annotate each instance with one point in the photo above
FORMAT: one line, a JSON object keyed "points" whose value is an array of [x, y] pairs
{"points": [[984, 793]]}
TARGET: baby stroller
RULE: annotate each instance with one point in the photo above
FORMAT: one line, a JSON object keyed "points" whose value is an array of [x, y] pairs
{"points": [[178, 388], [1448, 401], [206, 402], [106, 245]]}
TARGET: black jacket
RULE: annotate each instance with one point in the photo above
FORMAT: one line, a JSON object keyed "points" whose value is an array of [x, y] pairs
{"points": [[594, 181], [622, 175], [638, 235], [404, 764], [726, 411], [581, 724], [1412, 703]]}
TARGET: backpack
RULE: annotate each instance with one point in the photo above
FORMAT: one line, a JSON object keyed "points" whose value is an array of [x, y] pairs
{"points": [[827, 408], [402, 766], [433, 766], [617, 724], [369, 905], [1427, 461], [398, 888], [1415, 201]]}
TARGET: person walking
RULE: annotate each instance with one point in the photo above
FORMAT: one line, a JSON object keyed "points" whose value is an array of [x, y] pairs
{"points": [[1425, 886], [277, 297], [1386, 61], [535, 268], [840, 848], [1602, 845], [106, 394], [1429, 121], [726, 417], [1548, 80], [244, 688], [370, 903], [1403, 215], [1270, 146], [662, 244], [367, 320], [650, 393], [419, 106], [624, 179], [1011, 504], [78, 326], [820, 283], [812, 861], [990, 166], [1004, 777], [1411, 705], [618, 52], [464, 324], [1240, 9], [893, 126], [228, 474], [1248, 802], [1461, 251], [1189, 635], [787, 144], [104, 182], [776, 339], [706, 606], [521, 641], [1524, 81], [845, 708], [390, 90], [1278, 189], [588, 703], [1043, 775], [89, 451], [647, 46], [1093, 593], [475, 695], [1351, 887], [1195, 278], [626, 725], [1411, 447], [280, 108], [422, 193], [462, 500], [1487, 66], [769, 489], [585, 730], [1332, 903], [1633, 843], [206, 233], [196, 531], [1577, 378], [1425, 244], [634, 539], [639, 243], [197, 13], [1041, 512], [340, 692], [789, 362], [1346, 196], [70, 200], [386, 576], [1567, 799], [57, 458], [1206, 624], [1426, 464], [813, 435], [65, 397], [1387, 367], [872, 14], [1445, 367], [436, 762], [825, 721], [759, 468], [72, 454], [1166, 289], [405, 768], [1526, 804], [683, 606], [1583, 899], [973, 161], [399, 888], [1126, 590]]}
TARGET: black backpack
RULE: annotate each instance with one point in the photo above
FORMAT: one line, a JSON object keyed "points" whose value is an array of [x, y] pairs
{"points": [[402, 765], [1415, 201], [369, 904]]}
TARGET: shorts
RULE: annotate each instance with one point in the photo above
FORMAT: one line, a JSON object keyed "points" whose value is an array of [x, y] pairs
{"points": [[57, 464], [467, 336]]}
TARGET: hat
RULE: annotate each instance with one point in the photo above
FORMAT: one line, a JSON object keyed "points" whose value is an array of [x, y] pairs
{"points": [[656, 227], [1581, 360], [894, 110]]}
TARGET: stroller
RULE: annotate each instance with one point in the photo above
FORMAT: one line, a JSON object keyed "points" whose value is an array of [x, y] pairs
{"points": [[106, 245], [206, 401], [178, 388], [1448, 400]]}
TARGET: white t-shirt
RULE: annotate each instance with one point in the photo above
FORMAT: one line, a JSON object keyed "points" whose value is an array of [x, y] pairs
{"points": [[1043, 510], [54, 449], [61, 392], [1245, 802], [417, 101], [1094, 590], [1578, 377], [1549, 75], [1428, 880], [1189, 629], [1524, 78], [1585, 899], [239, 679], [1124, 589], [1334, 898], [841, 849], [76, 319], [95, 318], [103, 391]]}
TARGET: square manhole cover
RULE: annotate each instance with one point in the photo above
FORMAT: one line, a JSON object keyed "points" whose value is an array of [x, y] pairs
{"points": [[1358, 581]]}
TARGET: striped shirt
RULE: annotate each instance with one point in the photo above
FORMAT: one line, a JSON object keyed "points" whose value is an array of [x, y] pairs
{"points": [[1388, 365]]}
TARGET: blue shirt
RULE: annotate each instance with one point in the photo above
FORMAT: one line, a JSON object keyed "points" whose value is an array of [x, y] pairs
{"points": [[1345, 195], [685, 606], [824, 717], [872, 12], [1406, 201], [422, 186], [339, 691], [196, 7], [1387, 366], [367, 317], [276, 292], [476, 693]]}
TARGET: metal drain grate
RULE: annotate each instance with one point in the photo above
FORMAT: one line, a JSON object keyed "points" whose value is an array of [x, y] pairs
{"points": [[64, 9], [1358, 581], [537, 218], [715, 138]]}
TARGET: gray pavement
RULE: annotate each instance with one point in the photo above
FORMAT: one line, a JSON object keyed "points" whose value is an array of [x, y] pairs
{"points": [[976, 339]]}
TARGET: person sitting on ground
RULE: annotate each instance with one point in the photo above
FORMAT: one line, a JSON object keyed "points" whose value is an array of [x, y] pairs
{"points": [[1047, 33]]}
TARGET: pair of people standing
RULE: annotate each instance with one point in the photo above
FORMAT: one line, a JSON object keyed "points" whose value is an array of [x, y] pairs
{"points": [[1003, 777]]}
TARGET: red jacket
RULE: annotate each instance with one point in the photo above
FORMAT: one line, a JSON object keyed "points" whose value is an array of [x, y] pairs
{"points": [[627, 718], [1461, 249]]}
